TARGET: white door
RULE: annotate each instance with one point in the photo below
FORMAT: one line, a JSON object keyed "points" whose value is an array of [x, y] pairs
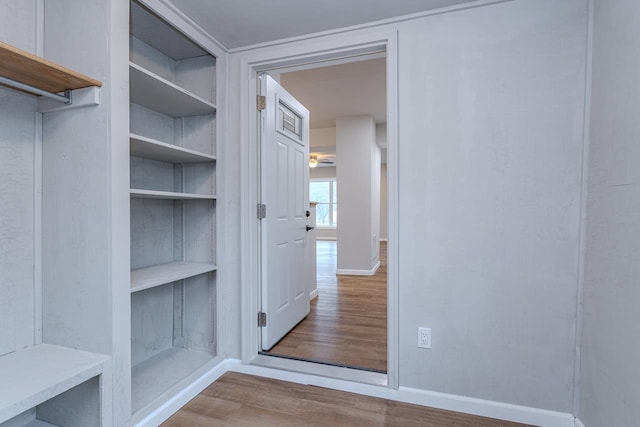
{"points": [[285, 192]]}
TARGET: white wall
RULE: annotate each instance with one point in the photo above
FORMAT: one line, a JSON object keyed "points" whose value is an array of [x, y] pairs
{"points": [[355, 142], [374, 188], [490, 143], [322, 137], [610, 377], [322, 172], [383, 202], [85, 201], [19, 184]]}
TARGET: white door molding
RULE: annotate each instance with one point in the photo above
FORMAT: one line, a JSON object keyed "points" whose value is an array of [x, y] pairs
{"points": [[294, 54]]}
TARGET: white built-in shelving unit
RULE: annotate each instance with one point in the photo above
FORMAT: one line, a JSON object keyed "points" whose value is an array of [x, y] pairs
{"points": [[173, 209], [41, 384], [109, 288]]}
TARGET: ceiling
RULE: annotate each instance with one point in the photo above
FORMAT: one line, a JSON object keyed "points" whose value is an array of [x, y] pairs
{"points": [[237, 23], [351, 89], [346, 89]]}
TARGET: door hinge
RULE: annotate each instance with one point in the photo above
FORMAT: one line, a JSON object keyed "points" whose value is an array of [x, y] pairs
{"points": [[261, 102], [262, 319], [262, 211]]}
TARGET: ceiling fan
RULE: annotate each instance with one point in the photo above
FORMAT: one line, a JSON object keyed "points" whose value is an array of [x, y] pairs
{"points": [[314, 161]]}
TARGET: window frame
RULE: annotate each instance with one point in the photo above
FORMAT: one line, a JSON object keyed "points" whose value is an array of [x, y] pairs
{"points": [[332, 202]]}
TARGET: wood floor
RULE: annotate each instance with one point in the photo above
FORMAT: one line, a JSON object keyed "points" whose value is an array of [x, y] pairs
{"points": [[244, 400], [347, 325]]}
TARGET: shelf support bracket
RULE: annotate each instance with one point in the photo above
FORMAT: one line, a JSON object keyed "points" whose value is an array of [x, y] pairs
{"points": [[88, 96], [66, 98]]}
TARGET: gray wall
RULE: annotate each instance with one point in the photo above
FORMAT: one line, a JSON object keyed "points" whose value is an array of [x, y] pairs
{"points": [[610, 377], [491, 104], [491, 138]]}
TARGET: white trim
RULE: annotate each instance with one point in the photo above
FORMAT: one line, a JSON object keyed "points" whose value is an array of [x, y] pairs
{"points": [[313, 294], [332, 201], [383, 239], [393, 233], [349, 272], [171, 406], [327, 238], [450, 402], [368, 25], [586, 117], [329, 48]]}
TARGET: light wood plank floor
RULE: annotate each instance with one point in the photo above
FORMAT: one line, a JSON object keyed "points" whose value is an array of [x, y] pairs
{"points": [[347, 325], [244, 400]]}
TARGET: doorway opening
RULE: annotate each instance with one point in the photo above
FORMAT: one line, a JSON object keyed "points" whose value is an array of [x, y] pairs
{"points": [[347, 322], [304, 54]]}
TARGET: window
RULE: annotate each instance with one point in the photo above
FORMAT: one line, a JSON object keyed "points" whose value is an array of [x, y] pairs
{"points": [[325, 192]]}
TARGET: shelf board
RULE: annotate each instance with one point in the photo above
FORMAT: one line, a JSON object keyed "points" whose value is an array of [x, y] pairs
{"points": [[157, 33], [168, 195], [154, 92], [30, 69], [161, 274], [156, 150], [151, 378], [38, 373], [39, 423]]}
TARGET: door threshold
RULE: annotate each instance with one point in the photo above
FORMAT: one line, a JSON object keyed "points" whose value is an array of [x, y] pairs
{"points": [[321, 369], [320, 362]]}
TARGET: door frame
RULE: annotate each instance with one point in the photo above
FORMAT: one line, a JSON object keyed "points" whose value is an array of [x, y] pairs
{"points": [[317, 50]]}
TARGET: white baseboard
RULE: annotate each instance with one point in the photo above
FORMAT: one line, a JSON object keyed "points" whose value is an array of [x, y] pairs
{"points": [[171, 406], [313, 294], [486, 408], [450, 402], [348, 272]]}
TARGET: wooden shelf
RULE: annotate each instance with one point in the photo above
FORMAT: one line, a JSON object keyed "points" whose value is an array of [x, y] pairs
{"points": [[154, 376], [161, 274], [36, 374], [30, 69], [168, 195], [161, 95], [156, 150]]}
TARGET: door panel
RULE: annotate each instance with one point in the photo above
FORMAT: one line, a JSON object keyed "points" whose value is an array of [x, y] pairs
{"points": [[285, 191]]}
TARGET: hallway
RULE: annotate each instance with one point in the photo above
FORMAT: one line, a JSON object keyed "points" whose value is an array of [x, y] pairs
{"points": [[347, 325]]}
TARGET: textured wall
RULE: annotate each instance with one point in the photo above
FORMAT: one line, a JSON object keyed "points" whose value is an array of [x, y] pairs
{"points": [[490, 151], [18, 287], [610, 378]]}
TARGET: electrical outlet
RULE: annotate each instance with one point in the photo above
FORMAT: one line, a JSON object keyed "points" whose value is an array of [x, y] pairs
{"points": [[424, 337]]}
